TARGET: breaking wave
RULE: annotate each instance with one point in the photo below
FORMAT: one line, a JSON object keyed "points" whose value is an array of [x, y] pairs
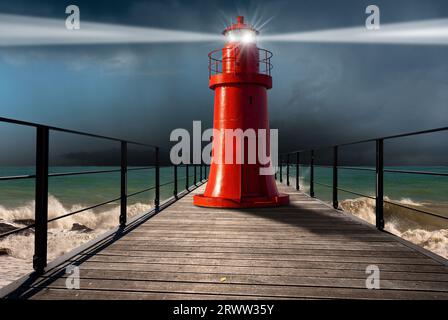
{"points": [[64, 234], [420, 229]]}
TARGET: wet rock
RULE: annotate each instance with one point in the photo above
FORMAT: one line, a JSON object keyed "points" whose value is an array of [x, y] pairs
{"points": [[80, 227], [6, 227], [26, 232], [26, 222], [5, 252]]}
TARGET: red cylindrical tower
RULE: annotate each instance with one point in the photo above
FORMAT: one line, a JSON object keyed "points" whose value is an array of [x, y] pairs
{"points": [[240, 80]]}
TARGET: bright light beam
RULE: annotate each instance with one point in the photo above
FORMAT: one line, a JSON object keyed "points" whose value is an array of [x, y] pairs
{"points": [[31, 31], [427, 32]]}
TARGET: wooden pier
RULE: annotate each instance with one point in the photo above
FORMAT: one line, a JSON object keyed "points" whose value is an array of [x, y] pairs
{"points": [[306, 251]]}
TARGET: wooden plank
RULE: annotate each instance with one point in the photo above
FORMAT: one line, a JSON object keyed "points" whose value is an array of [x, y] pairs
{"points": [[273, 236], [308, 264], [170, 223], [274, 256], [64, 294], [311, 240], [267, 231], [336, 230], [241, 224], [263, 256], [298, 247], [252, 290], [261, 279], [262, 250], [261, 270]]}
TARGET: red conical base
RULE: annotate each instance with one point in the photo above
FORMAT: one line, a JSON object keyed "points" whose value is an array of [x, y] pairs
{"points": [[249, 202], [239, 186]]}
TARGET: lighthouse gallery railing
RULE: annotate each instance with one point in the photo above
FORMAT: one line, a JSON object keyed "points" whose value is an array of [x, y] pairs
{"points": [[215, 62]]}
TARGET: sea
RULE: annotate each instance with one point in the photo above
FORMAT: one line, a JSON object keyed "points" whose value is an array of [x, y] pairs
{"points": [[71, 193]]}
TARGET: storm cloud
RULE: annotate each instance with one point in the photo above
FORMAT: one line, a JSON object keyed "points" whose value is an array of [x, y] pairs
{"points": [[323, 93]]}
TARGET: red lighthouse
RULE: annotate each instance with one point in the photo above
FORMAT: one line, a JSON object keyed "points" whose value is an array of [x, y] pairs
{"points": [[240, 76]]}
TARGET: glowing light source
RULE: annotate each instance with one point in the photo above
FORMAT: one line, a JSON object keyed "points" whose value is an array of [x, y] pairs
{"points": [[248, 37], [243, 36]]}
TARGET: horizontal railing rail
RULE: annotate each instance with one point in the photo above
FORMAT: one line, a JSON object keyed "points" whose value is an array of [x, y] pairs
{"points": [[86, 134], [379, 170], [42, 177]]}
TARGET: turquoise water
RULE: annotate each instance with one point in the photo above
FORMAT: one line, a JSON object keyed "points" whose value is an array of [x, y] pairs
{"points": [[96, 188], [397, 186], [89, 189]]}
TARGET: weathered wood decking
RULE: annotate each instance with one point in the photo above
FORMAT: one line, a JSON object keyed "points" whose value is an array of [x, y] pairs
{"points": [[305, 250]]}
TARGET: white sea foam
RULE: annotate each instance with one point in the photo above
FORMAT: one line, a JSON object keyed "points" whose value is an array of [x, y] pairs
{"points": [[399, 222], [410, 202], [304, 187], [60, 237]]}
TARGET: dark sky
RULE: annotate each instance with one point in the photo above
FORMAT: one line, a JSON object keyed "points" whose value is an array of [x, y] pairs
{"points": [[322, 94]]}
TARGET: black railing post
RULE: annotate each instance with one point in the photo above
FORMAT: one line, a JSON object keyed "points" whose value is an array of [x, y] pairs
{"points": [[187, 182], [124, 183], [297, 172], [379, 203], [287, 170], [157, 195], [312, 174], [41, 206], [194, 172], [335, 177], [281, 170], [175, 182], [200, 172]]}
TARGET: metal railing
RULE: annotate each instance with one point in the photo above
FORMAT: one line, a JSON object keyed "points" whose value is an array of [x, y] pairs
{"points": [[215, 62], [379, 170], [42, 176]]}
